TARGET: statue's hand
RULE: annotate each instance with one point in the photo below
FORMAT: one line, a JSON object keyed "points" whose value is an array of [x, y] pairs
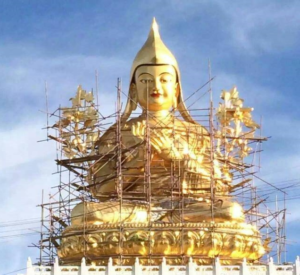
{"points": [[139, 129], [159, 139], [164, 145]]}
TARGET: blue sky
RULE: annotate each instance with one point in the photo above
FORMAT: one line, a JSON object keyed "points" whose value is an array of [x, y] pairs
{"points": [[252, 44]]}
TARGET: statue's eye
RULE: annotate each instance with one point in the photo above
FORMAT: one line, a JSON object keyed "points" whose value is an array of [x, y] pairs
{"points": [[166, 78], [146, 81]]}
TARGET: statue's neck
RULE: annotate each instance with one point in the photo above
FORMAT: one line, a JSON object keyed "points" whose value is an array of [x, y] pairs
{"points": [[161, 115]]}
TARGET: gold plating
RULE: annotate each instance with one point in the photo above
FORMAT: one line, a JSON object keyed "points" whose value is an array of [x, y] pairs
{"points": [[231, 242], [177, 222]]}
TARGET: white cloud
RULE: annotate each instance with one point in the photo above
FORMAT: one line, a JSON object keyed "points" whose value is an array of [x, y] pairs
{"points": [[264, 26], [19, 145], [29, 69], [254, 27]]}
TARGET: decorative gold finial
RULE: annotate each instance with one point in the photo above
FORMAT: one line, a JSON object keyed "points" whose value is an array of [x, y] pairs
{"points": [[154, 28]]}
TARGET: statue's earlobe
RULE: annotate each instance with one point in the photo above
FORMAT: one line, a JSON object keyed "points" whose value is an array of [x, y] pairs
{"points": [[176, 96], [131, 102], [133, 96]]}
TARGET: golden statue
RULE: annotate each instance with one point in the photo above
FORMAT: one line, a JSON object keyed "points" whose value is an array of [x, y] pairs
{"points": [[160, 186]]}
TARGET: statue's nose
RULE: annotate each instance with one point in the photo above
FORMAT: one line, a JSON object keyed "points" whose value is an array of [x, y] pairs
{"points": [[156, 85]]}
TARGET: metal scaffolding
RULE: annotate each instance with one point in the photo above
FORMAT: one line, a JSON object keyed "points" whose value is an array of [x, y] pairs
{"points": [[77, 130]]}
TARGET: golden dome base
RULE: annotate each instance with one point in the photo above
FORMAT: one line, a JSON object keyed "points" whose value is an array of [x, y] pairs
{"points": [[230, 241]]}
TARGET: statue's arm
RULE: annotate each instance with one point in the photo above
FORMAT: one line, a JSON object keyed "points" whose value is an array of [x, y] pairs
{"points": [[104, 170]]}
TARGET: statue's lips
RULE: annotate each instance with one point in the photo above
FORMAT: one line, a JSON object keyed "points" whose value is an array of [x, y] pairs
{"points": [[155, 95]]}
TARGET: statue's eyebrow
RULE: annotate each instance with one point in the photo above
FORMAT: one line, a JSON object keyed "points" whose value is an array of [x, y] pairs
{"points": [[166, 73], [145, 74]]}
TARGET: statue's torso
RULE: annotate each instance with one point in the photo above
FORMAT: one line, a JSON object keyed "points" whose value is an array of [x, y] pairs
{"points": [[182, 165]]}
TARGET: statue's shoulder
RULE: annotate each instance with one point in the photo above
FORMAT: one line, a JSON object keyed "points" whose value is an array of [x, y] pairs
{"points": [[110, 133]]}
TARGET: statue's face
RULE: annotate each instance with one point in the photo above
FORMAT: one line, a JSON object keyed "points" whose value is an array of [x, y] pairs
{"points": [[156, 87]]}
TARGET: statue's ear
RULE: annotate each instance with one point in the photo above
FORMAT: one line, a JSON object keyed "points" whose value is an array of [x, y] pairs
{"points": [[133, 96], [176, 96], [131, 102]]}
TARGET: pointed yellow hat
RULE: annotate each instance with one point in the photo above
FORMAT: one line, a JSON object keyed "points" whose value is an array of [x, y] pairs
{"points": [[153, 52]]}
